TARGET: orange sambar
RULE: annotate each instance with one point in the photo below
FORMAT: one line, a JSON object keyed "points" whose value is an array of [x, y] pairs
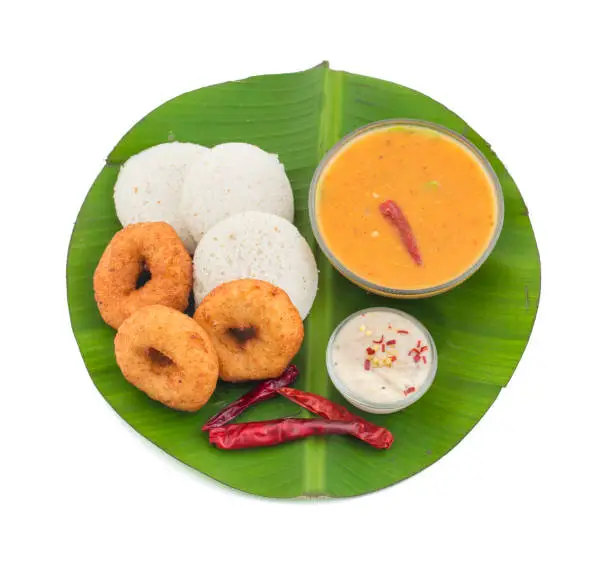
{"points": [[443, 189]]}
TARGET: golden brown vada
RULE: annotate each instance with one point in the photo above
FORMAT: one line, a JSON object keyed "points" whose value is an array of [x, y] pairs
{"points": [[151, 246], [254, 327], [168, 356]]}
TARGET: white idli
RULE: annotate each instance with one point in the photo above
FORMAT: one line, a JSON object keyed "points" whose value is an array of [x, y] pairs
{"points": [[233, 178], [259, 246], [149, 185]]}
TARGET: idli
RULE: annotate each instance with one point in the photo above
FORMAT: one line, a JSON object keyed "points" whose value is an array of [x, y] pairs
{"points": [[148, 188], [233, 178], [259, 246]]}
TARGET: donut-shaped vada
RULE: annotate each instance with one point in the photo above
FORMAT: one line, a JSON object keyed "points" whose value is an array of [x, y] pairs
{"points": [[152, 247], [168, 356], [254, 327]]}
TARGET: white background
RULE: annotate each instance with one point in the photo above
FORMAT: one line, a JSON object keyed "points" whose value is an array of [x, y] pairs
{"points": [[532, 481]]}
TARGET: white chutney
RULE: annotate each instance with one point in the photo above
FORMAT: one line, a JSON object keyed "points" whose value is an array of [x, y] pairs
{"points": [[381, 359]]}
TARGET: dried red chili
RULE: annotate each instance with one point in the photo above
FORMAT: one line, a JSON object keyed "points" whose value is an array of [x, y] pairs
{"points": [[393, 213], [374, 435], [277, 431], [261, 392]]}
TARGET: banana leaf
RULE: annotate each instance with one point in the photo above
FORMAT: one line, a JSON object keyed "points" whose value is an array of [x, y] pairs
{"points": [[481, 328]]}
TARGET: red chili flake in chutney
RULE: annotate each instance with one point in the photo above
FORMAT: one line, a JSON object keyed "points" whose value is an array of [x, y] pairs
{"points": [[391, 342], [418, 352], [403, 332], [382, 338], [393, 213], [367, 364], [370, 351], [409, 390]]}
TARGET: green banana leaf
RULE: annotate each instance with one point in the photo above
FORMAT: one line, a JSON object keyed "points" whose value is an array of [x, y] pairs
{"points": [[481, 328]]}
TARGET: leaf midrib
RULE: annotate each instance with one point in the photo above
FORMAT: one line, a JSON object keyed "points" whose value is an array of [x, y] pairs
{"points": [[321, 317]]}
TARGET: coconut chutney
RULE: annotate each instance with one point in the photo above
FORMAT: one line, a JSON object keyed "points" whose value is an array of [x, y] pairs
{"points": [[381, 358]]}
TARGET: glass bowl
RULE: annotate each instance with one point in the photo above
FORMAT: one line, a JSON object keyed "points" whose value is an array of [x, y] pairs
{"points": [[398, 292], [360, 401]]}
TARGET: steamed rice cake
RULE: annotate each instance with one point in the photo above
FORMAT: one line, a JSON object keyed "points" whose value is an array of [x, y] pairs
{"points": [[233, 178], [260, 246], [149, 186]]}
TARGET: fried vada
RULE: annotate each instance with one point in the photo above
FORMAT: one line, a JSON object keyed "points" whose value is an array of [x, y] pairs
{"points": [[152, 247], [254, 326], [168, 356]]}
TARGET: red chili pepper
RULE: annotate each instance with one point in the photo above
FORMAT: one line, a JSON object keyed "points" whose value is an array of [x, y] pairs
{"points": [[417, 357], [393, 358], [383, 348], [382, 338], [418, 343], [403, 332], [409, 390], [277, 431], [367, 364], [391, 342], [261, 392], [424, 359], [374, 435], [393, 213], [370, 351], [423, 349]]}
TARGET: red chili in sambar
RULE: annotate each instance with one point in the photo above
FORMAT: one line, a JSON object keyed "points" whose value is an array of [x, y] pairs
{"points": [[442, 189]]}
